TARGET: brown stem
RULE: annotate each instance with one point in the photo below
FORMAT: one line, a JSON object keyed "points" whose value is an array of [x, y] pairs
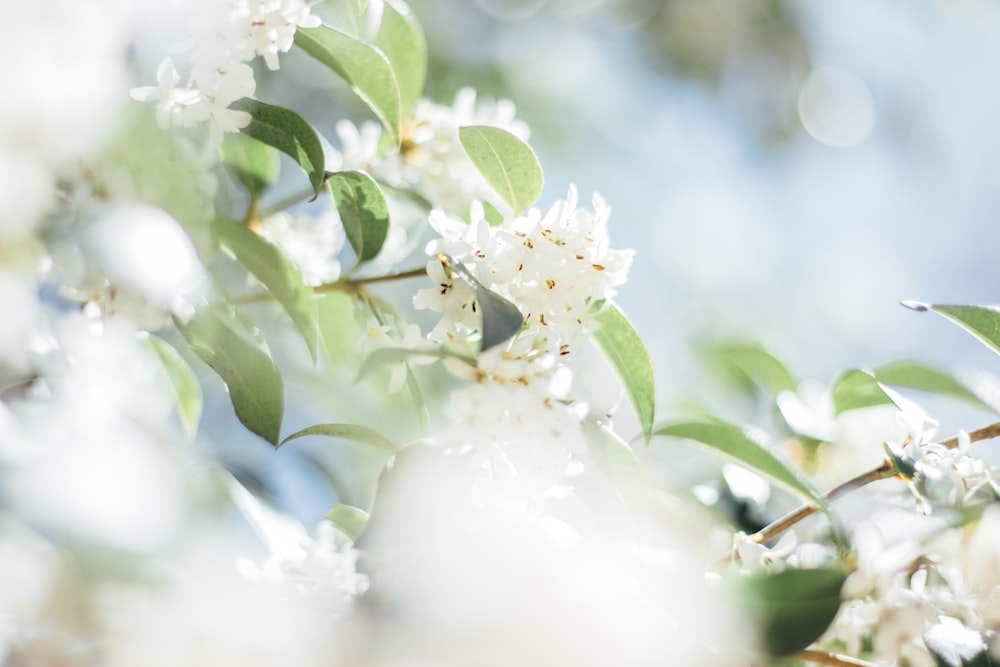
{"points": [[985, 433], [358, 282], [782, 524], [823, 658], [337, 286]]}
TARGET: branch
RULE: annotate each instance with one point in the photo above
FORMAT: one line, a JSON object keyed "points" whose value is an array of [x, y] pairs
{"points": [[343, 285], [779, 526], [884, 471], [359, 282], [822, 658], [985, 433]]}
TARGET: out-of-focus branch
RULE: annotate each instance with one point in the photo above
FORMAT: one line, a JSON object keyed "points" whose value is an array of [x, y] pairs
{"points": [[823, 658], [984, 433], [782, 524]]}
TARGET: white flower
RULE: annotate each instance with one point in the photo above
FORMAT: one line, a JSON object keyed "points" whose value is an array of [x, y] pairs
{"points": [[311, 244], [273, 24], [948, 476], [431, 158], [323, 570], [315, 568], [557, 269], [519, 440], [226, 35], [173, 103], [453, 298], [131, 260], [754, 556]]}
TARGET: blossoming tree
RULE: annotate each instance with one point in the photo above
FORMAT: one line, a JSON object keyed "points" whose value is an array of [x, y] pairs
{"points": [[441, 321]]}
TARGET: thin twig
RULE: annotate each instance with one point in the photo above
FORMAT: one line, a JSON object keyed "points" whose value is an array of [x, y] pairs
{"points": [[351, 285], [985, 433], [823, 658], [782, 524], [358, 282], [884, 471]]}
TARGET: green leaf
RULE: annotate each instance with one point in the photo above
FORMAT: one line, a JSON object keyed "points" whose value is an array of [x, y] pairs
{"points": [[507, 163], [401, 39], [856, 389], [338, 326], [501, 318], [252, 162], [750, 361], [363, 211], [954, 645], [289, 133], [349, 520], [276, 273], [983, 322], [393, 355], [734, 443], [494, 218], [625, 350], [792, 607], [354, 432], [364, 67], [923, 377], [187, 390], [253, 381]]}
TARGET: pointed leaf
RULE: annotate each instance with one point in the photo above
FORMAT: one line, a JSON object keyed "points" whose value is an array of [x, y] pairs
{"points": [[753, 362], [507, 163], [252, 162], [856, 389], [501, 318], [289, 133], [354, 432], [627, 354], [187, 390], [276, 273], [363, 211], [792, 607], [734, 443], [402, 41], [363, 66], [349, 520], [253, 381], [923, 377], [983, 322]]}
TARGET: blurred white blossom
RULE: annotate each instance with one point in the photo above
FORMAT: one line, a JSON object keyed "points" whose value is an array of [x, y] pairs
{"points": [[520, 443], [225, 35], [431, 158], [312, 244], [131, 260]]}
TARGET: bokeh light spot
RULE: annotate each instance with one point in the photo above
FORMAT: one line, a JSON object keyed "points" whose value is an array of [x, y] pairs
{"points": [[836, 107]]}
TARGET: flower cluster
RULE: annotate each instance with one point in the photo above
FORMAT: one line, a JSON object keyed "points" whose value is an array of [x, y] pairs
{"points": [[312, 244], [557, 268], [226, 34], [949, 476], [431, 159]]}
